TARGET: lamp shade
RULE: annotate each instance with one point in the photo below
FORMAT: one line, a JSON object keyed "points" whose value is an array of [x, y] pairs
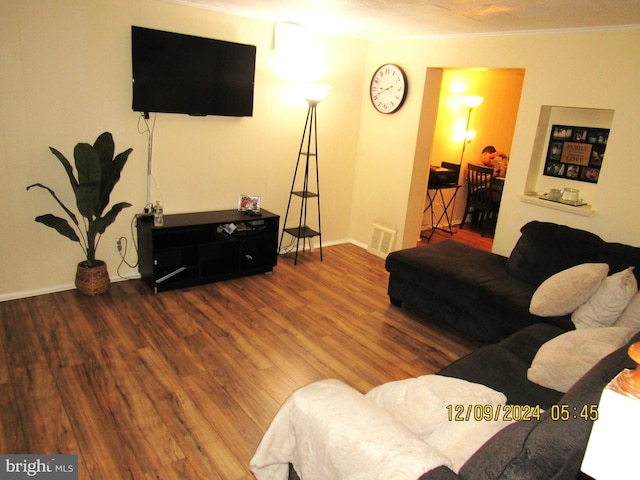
{"points": [[472, 101], [314, 93]]}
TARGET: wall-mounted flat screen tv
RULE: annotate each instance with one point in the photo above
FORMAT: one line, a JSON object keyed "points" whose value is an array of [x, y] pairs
{"points": [[176, 73]]}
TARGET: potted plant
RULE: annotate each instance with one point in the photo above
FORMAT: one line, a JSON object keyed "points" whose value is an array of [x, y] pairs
{"points": [[97, 173]]}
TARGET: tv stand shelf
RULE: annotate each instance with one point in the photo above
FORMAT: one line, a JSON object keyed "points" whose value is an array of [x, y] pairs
{"points": [[194, 248]]}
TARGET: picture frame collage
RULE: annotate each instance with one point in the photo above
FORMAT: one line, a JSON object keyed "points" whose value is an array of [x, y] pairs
{"points": [[576, 153]]}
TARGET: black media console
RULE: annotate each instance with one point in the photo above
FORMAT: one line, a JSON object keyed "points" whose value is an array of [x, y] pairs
{"points": [[196, 248]]}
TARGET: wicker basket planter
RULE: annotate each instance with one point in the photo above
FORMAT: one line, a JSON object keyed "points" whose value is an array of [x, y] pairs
{"points": [[92, 280]]}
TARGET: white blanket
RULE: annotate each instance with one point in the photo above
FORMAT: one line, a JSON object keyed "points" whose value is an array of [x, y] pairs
{"points": [[328, 430]]}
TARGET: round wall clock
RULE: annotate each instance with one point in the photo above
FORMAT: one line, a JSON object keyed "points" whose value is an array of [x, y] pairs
{"points": [[388, 88]]}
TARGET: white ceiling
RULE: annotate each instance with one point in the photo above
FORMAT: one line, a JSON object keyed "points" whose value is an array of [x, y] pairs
{"points": [[403, 18]]}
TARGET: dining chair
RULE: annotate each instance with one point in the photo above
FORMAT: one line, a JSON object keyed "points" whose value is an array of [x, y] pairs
{"points": [[482, 199]]}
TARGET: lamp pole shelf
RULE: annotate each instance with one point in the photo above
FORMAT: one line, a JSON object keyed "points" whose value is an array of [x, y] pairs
{"points": [[302, 232]]}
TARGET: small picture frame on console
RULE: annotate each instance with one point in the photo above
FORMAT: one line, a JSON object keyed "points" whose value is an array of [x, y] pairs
{"points": [[249, 203]]}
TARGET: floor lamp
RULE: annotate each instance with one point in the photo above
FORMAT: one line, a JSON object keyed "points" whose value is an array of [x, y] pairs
{"points": [[308, 149], [471, 102]]}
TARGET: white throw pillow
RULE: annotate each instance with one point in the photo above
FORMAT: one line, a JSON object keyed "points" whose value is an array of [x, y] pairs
{"points": [[424, 403], [561, 361], [606, 305], [565, 291], [631, 315]]}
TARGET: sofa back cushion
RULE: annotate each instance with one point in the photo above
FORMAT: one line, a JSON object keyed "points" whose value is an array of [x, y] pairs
{"points": [[551, 447], [545, 249], [619, 257]]}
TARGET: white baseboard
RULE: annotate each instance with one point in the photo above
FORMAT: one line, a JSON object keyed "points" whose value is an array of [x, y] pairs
{"points": [[70, 286], [331, 243], [56, 288]]}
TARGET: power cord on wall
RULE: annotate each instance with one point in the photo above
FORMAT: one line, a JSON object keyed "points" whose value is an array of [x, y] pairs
{"points": [[287, 250], [149, 128], [123, 246]]}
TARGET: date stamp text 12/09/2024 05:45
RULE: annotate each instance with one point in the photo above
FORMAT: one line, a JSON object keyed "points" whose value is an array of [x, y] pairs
{"points": [[507, 413]]}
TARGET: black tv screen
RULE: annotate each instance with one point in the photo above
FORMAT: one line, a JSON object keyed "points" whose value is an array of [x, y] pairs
{"points": [[176, 73]]}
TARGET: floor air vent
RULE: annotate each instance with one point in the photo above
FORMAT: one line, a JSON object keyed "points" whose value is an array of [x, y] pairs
{"points": [[382, 240]]}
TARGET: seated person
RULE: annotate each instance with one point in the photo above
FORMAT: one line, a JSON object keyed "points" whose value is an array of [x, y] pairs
{"points": [[499, 161]]}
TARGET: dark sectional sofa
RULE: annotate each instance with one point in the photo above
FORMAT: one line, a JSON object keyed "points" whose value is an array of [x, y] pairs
{"points": [[548, 448], [503, 366], [486, 296]]}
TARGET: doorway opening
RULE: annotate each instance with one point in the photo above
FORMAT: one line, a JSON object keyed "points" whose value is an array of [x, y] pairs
{"points": [[452, 132]]}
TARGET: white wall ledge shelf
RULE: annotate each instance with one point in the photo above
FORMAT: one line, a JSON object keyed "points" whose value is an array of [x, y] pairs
{"points": [[584, 210]]}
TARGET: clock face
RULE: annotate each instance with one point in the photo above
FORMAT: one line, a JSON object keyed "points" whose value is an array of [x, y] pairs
{"points": [[388, 88]]}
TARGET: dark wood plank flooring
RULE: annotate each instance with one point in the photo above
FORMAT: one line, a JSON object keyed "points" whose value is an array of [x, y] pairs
{"points": [[182, 385]]}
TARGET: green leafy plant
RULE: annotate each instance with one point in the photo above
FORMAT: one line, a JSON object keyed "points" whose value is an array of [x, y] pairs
{"points": [[98, 172]]}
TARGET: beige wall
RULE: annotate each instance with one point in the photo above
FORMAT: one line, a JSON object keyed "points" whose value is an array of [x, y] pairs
{"points": [[66, 77], [587, 69]]}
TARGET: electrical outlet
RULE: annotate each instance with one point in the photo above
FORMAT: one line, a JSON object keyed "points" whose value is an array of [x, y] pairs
{"points": [[119, 245]]}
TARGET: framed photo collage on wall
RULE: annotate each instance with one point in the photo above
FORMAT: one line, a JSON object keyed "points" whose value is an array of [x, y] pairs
{"points": [[576, 153]]}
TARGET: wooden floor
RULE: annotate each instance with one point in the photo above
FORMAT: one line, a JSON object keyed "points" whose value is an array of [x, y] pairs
{"points": [[182, 385]]}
